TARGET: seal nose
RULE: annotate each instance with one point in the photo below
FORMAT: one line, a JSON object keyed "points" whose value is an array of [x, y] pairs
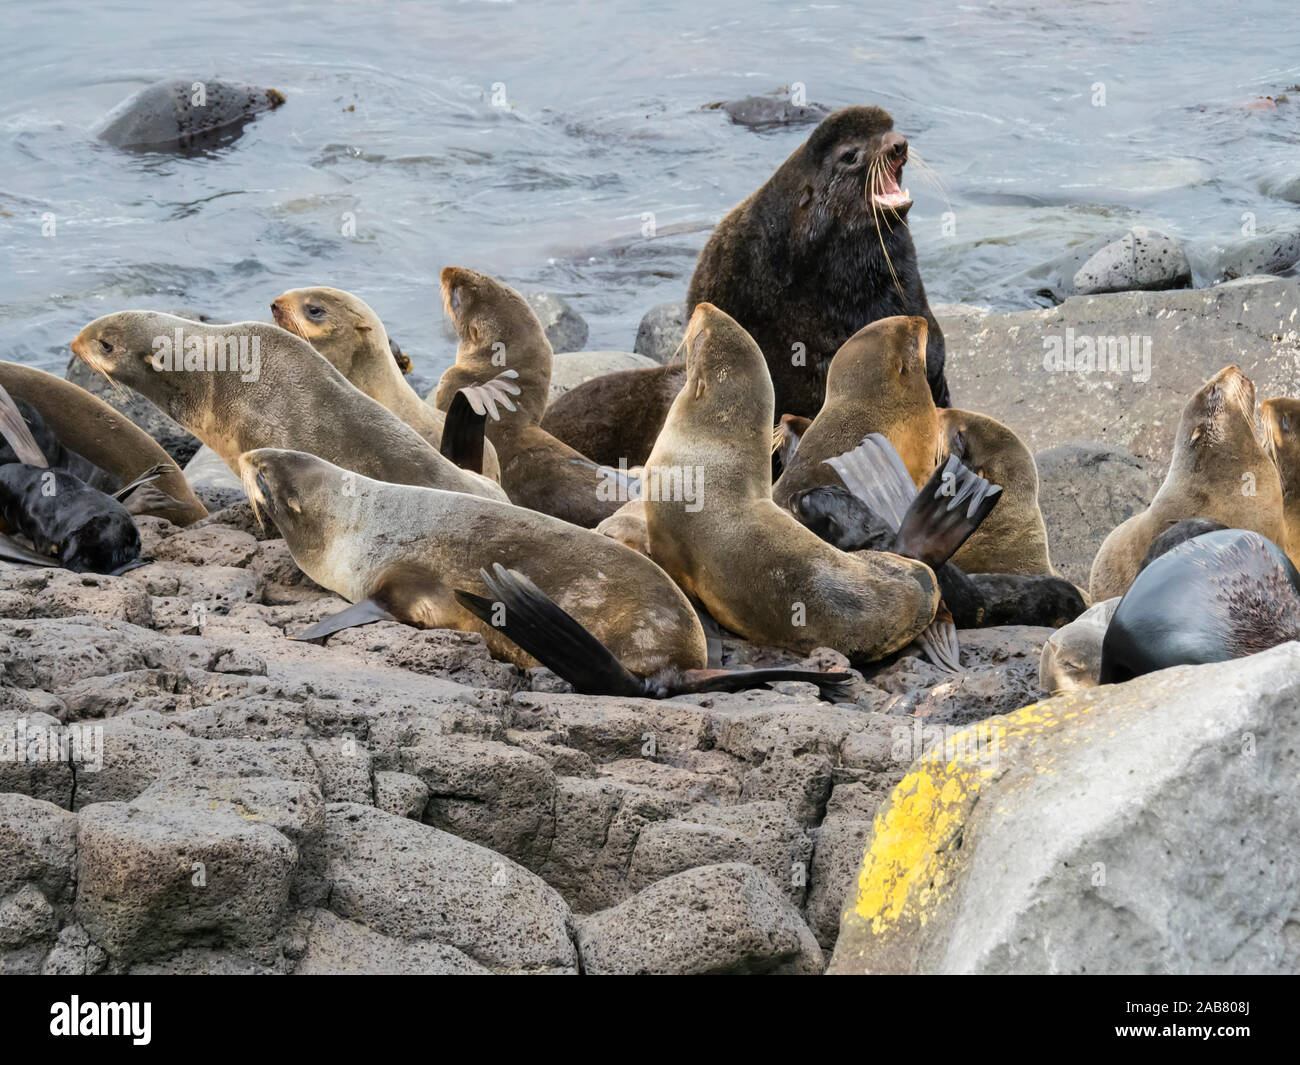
{"points": [[894, 145]]}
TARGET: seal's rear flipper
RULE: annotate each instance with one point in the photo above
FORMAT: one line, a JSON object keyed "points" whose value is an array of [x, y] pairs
{"points": [[362, 613], [462, 434], [874, 473], [939, 641], [831, 685], [529, 617], [944, 513], [12, 551], [151, 474], [712, 635], [14, 429]]}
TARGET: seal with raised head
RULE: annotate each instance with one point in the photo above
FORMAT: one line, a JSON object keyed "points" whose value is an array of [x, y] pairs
{"points": [[344, 329], [250, 384], [94, 434], [604, 618], [876, 384], [756, 569], [499, 333], [1218, 470], [819, 251], [1281, 421], [1215, 597]]}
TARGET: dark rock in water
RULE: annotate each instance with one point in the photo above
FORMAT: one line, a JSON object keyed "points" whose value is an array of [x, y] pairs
{"points": [[661, 331], [1141, 260], [772, 110], [422, 385], [1270, 253], [178, 115], [1084, 491], [174, 438], [565, 328]]}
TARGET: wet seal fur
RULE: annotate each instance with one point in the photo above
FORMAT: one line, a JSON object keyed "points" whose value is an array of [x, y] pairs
{"points": [[1218, 596], [749, 562], [499, 332], [601, 616], [88, 427], [1217, 462], [344, 329], [819, 251], [298, 401]]}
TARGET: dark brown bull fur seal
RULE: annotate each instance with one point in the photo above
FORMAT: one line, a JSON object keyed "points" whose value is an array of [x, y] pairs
{"points": [[819, 251]]}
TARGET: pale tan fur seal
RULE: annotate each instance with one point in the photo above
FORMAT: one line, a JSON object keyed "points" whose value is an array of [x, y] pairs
{"points": [[499, 332], [605, 618], [756, 570], [344, 329], [1218, 471], [263, 387], [1281, 419]]}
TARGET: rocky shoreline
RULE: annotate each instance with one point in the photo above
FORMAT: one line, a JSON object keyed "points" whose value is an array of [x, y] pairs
{"points": [[185, 790]]}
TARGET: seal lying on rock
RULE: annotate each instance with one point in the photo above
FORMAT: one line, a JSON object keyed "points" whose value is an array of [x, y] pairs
{"points": [[249, 384], [86, 434], [617, 624], [344, 329], [616, 417], [172, 115], [819, 251], [753, 566], [1218, 471], [499, 332], [1218, 596]]}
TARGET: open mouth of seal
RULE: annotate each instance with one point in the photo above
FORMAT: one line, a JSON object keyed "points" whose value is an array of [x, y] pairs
{"points": [[885, 188]]}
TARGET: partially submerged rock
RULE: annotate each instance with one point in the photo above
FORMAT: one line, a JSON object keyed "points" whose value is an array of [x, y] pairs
{"points": [[181, 114]]}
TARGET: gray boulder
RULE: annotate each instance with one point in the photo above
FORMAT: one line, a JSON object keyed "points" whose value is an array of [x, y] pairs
{"points": [[728, 918], [1146, 827], [337, 947], [185, 114], [1142, 259], [1269, 253], [573, 368], [661, 331], [1085, 491]]}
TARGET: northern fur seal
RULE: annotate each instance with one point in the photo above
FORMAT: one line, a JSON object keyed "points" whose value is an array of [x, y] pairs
{"points": [[1281, 421], [249, 384], [172, 115], [1014, 539], [616, 625], [617, 416], [89, 428], [1218, 470], [876, 384], [344, 329], [1218, 596], [753, 566], [499, 332], [819, 251]]}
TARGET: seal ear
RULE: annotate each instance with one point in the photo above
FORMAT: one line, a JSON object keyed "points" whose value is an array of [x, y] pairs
{"points": [[806, 197]]}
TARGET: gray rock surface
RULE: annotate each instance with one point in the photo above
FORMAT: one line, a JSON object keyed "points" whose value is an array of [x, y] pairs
{"points": [[1268, 253], [575, 367], [661, 330], [727, 918], [1141, 260], [1143, 827]]}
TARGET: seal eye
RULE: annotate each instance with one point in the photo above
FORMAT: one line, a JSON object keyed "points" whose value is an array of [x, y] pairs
{"points": [[314, 312], [848, 158], [105, 346]]}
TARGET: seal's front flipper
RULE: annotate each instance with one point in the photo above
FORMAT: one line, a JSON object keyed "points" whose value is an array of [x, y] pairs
{"points": [[485, 397], [831, 685], [462, 434], [874, 473], [362, 613], [945, 513], [529, 617], [151, 474], [12, 551], [14, 429]]}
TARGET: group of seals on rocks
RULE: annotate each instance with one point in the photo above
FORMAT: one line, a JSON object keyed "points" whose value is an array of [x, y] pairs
{"points": [[811, 352]]}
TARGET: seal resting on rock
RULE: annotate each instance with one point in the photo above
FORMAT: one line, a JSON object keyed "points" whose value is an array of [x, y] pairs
{"points": [[1218, 471], [178, 115], [604, 618], [344, 329], [249, 384]]}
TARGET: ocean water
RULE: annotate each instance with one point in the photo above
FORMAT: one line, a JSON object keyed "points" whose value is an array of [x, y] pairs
{"points": [[534, 140]]}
